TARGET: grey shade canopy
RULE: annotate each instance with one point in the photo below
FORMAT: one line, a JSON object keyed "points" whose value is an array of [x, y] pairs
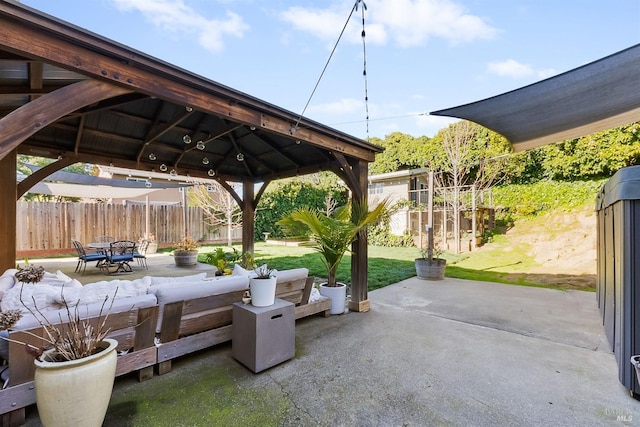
{"points": [[600, 95]]}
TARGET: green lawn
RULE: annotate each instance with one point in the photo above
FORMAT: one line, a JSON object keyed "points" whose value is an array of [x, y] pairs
{"points": [[391, 265], [386, 265]]}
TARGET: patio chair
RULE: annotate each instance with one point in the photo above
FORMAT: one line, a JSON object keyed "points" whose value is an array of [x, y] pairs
{"points": [[140, 253], [84, 257], [121, 254]]}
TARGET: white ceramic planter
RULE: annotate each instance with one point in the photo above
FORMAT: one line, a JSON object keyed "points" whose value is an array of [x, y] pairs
{"points": [[76, 392], [263, 291], [338, 295]]}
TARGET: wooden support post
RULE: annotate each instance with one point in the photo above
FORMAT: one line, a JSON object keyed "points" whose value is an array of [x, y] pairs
{"points": [[248, 215], [8, 194], [359, 261]]}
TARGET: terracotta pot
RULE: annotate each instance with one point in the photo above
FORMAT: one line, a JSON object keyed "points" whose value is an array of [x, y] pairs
{"points": [[263, 291], [430, 270], [338, 295], [76, 392]]}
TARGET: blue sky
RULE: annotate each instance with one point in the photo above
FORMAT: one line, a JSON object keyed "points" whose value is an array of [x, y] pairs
{"points": [[422, 55]]}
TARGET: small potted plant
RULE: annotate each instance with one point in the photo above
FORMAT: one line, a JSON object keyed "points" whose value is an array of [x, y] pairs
{"points": [[262, 285], [222, 260], [430, 265], [78, 365], [186, 252]]}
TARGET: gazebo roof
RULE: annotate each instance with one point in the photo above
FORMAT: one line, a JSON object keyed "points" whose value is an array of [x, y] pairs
{"points": [[597, 96], [153, 110]]}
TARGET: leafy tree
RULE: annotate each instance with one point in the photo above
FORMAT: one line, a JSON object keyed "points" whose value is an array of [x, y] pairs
{"points": [[282, 197], [220, 208]]}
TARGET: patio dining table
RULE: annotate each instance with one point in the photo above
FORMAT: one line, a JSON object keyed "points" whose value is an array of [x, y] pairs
{"points": [[122, 262]]}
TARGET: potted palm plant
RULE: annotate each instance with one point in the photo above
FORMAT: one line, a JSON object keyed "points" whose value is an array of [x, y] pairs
{"points": [[186, 252], [74, 375], [332, 234]]}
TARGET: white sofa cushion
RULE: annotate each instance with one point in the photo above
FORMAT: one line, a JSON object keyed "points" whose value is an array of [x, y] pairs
{"points": [[291, 275], [6, 283], [33, 295], [163, 280], [96, 292], [88, 310]]}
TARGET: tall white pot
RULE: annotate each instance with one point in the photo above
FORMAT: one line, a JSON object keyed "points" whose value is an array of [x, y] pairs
{"points": [[76, 392], [338, 295], [263, 291]]}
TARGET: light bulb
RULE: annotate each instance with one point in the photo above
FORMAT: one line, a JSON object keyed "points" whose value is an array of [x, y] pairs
{"points": [[152, 156], [200, 145], [205, 161], [186, 139], [163, 167], [173, 172], [211, 172], [240, 157]]}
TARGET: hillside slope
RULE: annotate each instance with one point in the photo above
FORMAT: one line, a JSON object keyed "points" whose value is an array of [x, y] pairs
{"points": [[558, 248]]}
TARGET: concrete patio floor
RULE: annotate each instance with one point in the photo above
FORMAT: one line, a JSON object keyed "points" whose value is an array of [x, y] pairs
{"points": [[446, 353]]}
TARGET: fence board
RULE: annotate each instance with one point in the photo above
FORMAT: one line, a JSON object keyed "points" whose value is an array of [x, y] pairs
{"points": [[43, 226]]}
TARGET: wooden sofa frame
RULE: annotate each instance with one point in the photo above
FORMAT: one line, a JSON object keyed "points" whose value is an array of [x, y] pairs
{"points": [[133, 329], [187, 326], [192, 325]]}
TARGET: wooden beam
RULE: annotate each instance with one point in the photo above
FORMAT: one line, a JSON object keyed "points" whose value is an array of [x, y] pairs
{"points": [[157, 131], [98, 58], [39, 113], [351, 179], [41, 174]]}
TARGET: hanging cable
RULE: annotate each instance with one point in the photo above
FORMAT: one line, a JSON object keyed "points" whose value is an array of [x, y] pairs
{"points": [[335, 46], [364, 67]]}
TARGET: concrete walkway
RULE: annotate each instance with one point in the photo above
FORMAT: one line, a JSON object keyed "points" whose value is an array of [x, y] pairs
{"points": [[448, 353]]}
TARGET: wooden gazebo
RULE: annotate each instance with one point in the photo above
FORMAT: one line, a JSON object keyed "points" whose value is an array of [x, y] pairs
{"points": [[71, 95]]}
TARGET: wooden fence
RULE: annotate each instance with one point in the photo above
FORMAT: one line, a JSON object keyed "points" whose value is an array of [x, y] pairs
{"points": [[47, 228]]}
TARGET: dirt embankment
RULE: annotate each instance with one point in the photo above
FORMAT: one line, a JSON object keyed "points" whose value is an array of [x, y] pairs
{"points": [[564, 247]]}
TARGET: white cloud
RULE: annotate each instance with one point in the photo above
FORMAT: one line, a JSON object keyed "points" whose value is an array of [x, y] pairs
{"points": [[407, 22], [517, 70], [432, 124], [177, 17]]}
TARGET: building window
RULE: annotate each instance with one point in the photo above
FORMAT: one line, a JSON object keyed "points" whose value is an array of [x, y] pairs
{"points": [[375, 188]]}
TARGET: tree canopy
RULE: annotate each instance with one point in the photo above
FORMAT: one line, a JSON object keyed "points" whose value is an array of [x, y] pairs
{"points": [[489, 154]]}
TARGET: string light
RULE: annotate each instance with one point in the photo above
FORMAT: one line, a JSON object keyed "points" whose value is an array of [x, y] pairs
{"points": [[211, 172], [205, 161], [163, 167], [152, 156], [186, 139]]}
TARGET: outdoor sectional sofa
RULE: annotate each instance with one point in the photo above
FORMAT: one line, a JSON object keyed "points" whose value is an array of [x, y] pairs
{"points": [[154, 320]]}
